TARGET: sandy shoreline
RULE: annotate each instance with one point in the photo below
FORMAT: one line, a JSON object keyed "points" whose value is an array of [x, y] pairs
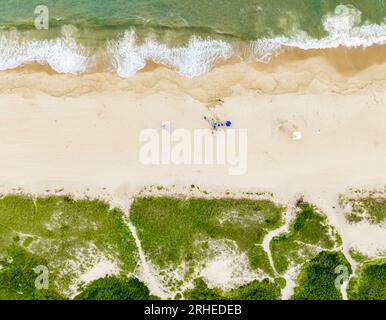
{"points": [[79, 134], [339, 70]]}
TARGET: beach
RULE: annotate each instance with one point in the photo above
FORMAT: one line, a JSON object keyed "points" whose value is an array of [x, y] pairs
{"points": [[188, 150], [79, 134]]}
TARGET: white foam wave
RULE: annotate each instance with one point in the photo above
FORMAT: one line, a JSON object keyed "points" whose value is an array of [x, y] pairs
{"points": [[63, 54], [344, 29], [193, 60]]}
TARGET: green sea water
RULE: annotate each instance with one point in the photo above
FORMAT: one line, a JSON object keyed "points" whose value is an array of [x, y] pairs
{"points": [[244, 19], [174, 22]]}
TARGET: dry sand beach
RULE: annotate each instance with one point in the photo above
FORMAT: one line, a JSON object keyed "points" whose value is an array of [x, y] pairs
{"points": [[79, 135]]}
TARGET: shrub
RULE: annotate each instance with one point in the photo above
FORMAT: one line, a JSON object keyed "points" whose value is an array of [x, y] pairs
{"points": [[115, 288]]}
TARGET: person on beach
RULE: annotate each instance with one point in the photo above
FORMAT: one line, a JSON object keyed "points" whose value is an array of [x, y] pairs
{"points": [[216, 123]]}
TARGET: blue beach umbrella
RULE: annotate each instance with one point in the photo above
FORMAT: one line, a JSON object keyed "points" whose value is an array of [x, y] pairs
{"points": [[228, 123]]}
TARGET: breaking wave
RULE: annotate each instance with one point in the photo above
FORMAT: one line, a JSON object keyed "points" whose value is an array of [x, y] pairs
{"points": [[344, 30], [63, 54], [193, 60], [343, 27]]}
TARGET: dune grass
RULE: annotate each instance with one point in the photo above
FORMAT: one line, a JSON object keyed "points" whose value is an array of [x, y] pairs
{"points": [[255, 290], [369, 282], [69, 236], [170, 228], [316, 280], [17, 277], [371, 208], [308, 233], [115, 288]]}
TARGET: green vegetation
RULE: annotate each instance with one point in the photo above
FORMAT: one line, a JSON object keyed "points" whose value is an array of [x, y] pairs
{"points": [[17, 277], [369, 282], [307, 234], [202, 292], [115, 288], [316, 280], [70, 236], [175, 230], [259, 290], [255, 290], [371, 208], [358, 256]]}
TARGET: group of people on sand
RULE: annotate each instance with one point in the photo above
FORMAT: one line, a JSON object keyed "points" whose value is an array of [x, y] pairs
{"points": [[215, 123]]}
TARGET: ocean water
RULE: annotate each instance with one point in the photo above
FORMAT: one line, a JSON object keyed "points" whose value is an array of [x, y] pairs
{"points": [[189, 36]]}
